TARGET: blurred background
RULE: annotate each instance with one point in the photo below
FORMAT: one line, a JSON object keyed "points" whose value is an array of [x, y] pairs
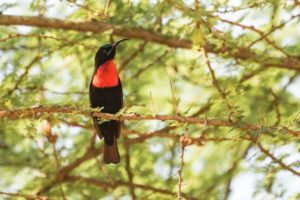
{"points": [[234, 61]]}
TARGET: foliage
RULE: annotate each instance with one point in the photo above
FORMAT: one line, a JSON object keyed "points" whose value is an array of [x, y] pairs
{"points": [[233, 61]]}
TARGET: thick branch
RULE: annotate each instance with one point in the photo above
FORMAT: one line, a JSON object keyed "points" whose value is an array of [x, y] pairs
{"points": [[95, 27], [142, 34]]}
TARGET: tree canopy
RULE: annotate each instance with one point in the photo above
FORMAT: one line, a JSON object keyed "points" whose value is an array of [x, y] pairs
{"points": [[211, 92]]}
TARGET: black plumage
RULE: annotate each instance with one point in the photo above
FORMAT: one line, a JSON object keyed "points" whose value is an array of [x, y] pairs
{"points": [[112, 100], [110, 97]]}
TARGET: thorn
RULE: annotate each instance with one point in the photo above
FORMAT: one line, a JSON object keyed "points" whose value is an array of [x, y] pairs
{"points": [[204, 125], [174, 100], [260, 124], [153, 107]]}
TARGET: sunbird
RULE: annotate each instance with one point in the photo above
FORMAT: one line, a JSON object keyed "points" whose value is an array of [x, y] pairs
{"points": [[106, 91]]}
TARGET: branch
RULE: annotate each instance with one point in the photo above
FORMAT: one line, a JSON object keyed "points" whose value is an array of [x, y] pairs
{"points": [[202, 110], [273, 29], [141, 70], [90, 153], [129, 173], [235, 9], [184, 141], [142, 34], [20, 79], [276, 104], [291, 80], [104, 184], [198, 141], [14, 114], [253, 73], [162, 133], [276, 160], [48, 37], [231, 172], [127, 61], [95, 27], [53, 138], [25, 196], [212, 72], [28, 67], [272, 43], [101, 14]]}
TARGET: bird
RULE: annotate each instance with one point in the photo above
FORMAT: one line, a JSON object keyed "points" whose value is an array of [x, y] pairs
{"points": [[106, 92]]}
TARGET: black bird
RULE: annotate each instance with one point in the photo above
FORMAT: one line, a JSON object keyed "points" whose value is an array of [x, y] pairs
{"points": [[106, 91]]}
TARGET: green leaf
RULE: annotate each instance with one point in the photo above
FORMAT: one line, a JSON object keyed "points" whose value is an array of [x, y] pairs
{"points": [[101, 120], [98, 109], [121, 111], [197, 37], [8, 104]]}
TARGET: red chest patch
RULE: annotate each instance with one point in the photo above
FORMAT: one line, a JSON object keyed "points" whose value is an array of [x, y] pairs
{"points": [[106, 75]]}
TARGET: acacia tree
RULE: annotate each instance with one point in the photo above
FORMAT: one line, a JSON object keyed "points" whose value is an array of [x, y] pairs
{"points": [[210, 92]]}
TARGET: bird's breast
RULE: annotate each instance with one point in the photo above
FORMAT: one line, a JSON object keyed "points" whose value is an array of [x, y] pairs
{"points": [[106, 75]]}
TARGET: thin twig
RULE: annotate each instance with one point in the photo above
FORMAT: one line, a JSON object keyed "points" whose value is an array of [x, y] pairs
{"points": [[291, 80], [174, 99], [141, 70], [101, 14], [104, 184], [273, 29], [276, 103], [272, 43], [254, 73], [148, 195], [212, 72], [184, 141], [107, 3], [276, 160], [48, 37], [27, 68], [260, 120], [232, 171], [105, 171], [53, 138], [235, 9], [129, 173], [127, 61]]}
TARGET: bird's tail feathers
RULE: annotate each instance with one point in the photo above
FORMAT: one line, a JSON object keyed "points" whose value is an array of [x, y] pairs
{"points": [[111, 153]]}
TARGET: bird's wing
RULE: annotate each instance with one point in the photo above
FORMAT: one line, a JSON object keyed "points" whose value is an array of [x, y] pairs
{"points": [[96, 125]]}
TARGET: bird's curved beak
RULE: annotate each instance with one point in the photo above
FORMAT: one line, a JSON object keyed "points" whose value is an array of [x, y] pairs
{"points": [[118, 42]]}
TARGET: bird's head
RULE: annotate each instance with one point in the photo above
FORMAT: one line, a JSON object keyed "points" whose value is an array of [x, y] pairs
{"points": [[106, 52]]}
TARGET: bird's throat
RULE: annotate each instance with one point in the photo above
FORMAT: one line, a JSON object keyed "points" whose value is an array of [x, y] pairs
{"points": [[106, 75]]}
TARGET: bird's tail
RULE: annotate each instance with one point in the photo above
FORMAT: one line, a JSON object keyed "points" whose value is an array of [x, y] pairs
{"points": [[111, 153]]}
